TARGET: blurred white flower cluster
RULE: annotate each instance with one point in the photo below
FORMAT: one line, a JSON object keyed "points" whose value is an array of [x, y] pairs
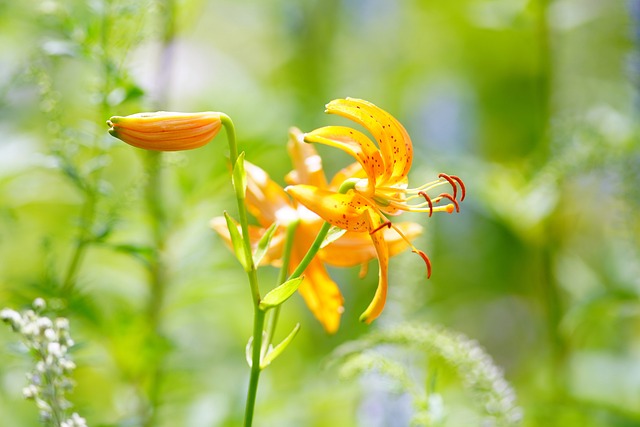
{"points": [[48, 341]]}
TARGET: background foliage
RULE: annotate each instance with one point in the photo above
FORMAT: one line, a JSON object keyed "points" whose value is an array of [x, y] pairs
{"points": [[533, 103]]}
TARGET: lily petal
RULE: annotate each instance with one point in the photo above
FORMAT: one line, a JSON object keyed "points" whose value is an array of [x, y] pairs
{"points": [[354, 143], [266, 200], [356, 248], [307, 164], [322, 296], [377, 304], [354, 170], [342, 210], [393, 140]]}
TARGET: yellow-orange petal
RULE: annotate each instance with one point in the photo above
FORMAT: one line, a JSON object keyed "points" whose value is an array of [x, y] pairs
{"points": [[307, 164], [266, 200], [166, 131], [357, 248], [354, 170], [342, 210], [354, 143], [322, 296], [379, 299], [393, 140]]}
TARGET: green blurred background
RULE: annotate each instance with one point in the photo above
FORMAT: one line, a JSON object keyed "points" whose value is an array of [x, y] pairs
{"points": [[533, 103]]}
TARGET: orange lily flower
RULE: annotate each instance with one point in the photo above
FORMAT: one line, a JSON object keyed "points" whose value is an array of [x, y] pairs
{"points": [[165, 131], [380, 190], [268, 202]]}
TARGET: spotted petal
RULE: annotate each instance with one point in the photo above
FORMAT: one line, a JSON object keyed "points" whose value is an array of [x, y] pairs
{"points": [[342, 210], [377, 304], [395, 143], [354, 143], [354, 170], [356, 248]]}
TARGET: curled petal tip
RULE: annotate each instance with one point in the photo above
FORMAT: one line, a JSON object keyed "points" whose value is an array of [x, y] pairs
{"points": [[365, 318]]}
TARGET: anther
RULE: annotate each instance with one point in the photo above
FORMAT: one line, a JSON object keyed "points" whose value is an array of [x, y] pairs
{"points": [[426, 260], [462, 187], [453, 200], [383, 225], [452, 182], [428, 199]]}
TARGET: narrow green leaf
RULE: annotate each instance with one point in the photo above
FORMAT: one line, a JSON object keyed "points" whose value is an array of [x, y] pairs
{"points": [[239, 177], [278, 295], [236, 240], [271, 356], [334, 234], [263, 244]]}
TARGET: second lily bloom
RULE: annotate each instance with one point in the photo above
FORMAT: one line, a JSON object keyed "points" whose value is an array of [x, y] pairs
{"points": [[269, 203]]}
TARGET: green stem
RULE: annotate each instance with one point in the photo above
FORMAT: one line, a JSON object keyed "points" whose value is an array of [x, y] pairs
{"points": [[87, 219], [258, 323], [258, 327], [88, 216], [313, 250], [252, 274], [157, 281], [282, 277]]}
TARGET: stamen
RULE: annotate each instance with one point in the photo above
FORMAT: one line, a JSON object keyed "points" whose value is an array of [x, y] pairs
{"points": [[425, 187], [425, 259], [453, 200], [415, 250], [428, 199], [452, 182], [387, 224], [459, 181]]}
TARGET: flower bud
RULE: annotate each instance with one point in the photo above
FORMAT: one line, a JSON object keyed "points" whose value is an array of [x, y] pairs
{"points": [[165, 131]]}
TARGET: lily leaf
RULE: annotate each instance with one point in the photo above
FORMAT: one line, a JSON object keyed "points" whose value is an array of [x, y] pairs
{"points": [[239, 177], [263, 244], [278, 295], [236, 240], [334, 234], [271, 356]]}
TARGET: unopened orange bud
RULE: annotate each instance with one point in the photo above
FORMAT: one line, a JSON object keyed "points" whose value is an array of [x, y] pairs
{"points": [[166, 131]]}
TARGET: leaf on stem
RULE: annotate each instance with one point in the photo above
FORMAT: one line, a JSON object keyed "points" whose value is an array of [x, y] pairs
{"points": [[239, 178], [236, 240], [278, 295], [263, 244], [334, 234], [271, 356]]}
